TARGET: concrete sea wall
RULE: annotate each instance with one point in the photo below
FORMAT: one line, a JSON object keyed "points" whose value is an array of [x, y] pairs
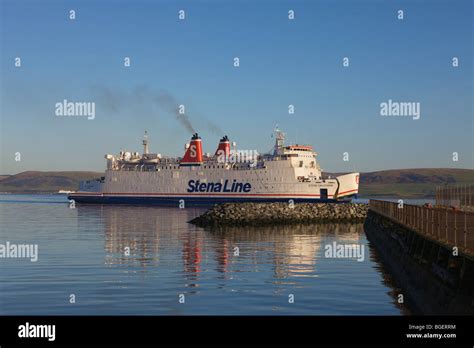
{"points": [[432, 280]]}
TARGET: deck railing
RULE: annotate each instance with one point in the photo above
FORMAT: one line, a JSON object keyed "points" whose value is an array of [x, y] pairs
{"points": [[448, 226], [459, 196]]}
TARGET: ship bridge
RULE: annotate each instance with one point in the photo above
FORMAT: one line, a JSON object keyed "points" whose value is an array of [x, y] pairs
{"points": [[301, 157]]}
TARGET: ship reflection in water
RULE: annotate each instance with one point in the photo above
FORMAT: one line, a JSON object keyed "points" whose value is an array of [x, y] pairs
{"points": [[144, 260], [134, 240], [272, 261]]}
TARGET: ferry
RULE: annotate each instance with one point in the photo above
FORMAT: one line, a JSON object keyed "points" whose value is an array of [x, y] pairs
{"points": [[290, 173]]}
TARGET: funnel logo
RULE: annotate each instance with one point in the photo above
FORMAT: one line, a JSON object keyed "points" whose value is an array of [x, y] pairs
{"points": [[192, 151]]}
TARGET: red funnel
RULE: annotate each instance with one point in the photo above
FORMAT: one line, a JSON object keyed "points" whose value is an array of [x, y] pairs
{"points": [[193, 155], [223, 150]]}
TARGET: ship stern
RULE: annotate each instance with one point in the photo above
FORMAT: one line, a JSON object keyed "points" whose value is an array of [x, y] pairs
{"points": [[348, 186]]}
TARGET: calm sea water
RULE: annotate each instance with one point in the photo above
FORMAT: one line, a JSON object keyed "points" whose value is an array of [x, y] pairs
{"points": [[82, 252]]}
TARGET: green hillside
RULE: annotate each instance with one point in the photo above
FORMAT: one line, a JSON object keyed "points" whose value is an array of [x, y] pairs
{"points": [[412, 183], [44, 182]]}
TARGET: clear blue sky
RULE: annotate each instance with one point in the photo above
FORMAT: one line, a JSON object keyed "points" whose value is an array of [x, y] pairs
{"points": [[282, 62]]}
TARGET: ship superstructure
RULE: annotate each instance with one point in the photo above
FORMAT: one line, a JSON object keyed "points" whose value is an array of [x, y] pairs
{"points": [[289, 173]]}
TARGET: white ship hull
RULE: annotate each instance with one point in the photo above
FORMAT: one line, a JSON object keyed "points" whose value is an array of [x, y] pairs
{"points": [[289, 175], [172, 187]]}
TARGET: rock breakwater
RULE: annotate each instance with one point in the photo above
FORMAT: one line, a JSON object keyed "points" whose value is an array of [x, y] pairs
{"points": [[239, 214]]}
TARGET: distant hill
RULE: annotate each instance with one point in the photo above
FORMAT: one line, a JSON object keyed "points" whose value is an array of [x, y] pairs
{"points": [[408, 183], [44, 182], [412, 183], [419, 176], [4, 177]]}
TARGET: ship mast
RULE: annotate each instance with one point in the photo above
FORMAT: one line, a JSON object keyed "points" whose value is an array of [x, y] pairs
{"points": [[145, 143], [279, 141]]}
